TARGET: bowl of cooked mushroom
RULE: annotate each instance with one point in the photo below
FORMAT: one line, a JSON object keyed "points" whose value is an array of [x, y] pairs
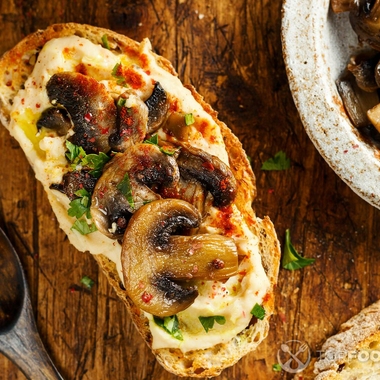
{"points": [[331, 50]]}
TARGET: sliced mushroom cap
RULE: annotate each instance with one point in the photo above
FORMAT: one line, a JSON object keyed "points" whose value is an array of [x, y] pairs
{"points": [[91, 108], [210, 171], [126, 184], [365, 20], [363, 67], [55, 118], [132, 122], [158, 106], [157, 258]]}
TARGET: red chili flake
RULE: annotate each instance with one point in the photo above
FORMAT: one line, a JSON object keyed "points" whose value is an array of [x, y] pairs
{"points": [[22, 101], [345, 151], [355, 146], [38, 105], [92, 140], [208, 165], [88, 117], [267, 297], [146, 297], [72, 289], [270, 191]]}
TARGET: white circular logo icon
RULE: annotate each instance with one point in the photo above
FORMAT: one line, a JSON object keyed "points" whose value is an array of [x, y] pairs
{"points": [[294, 356]]}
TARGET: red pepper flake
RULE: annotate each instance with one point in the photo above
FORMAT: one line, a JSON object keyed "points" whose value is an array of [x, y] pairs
{"points": [[267, 297], [270, 191], [208, 165], [38, 105], [355, 146], [88, 117], [146, 297], [345, 151], [22, 101], [92, 140]]}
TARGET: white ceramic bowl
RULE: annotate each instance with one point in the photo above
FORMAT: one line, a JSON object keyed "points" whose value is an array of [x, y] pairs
{"points": [[316, 45]]}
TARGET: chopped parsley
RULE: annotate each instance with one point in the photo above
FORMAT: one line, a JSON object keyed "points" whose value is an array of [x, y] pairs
{"points": [[105, 41], [208, 322], [189, 119], [80, 206], [170, 325], [87, 282], [258, 311], [83, 227], [276, 367], [169, 150], [126, 189], [117, 73], [278, 162], [291, 259], [79, 158]]}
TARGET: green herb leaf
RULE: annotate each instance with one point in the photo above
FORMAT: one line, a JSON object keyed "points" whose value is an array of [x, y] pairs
{"points": [[152, 140], [126, 189], [78, 208], [189, 119], [83, 227], [170, 325], [258, 311], [208, 322], [291, 259], [121, 102], [105, 41], [278, 162], [116, 74], [75, 153], [87, 282], [95, 162], [277, 367]]}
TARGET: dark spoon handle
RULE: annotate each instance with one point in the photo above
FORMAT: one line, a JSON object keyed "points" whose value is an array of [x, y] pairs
{"points": [[23, 346]]}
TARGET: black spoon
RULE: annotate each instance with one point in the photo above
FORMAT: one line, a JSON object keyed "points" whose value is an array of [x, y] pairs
{"points": [[19, 338]]}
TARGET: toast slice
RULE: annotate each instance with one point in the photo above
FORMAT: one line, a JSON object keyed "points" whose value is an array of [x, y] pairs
{"points": [[18, 77]]}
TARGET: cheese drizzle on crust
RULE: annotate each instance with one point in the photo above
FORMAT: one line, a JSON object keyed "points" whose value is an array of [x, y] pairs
{"points": [[73, 47]]}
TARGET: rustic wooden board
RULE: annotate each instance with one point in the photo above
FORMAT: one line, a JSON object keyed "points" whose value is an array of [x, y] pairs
{"points": [[231, 51]]}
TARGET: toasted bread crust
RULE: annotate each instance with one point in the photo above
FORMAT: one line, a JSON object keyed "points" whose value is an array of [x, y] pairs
{"points": [[17, 65]]}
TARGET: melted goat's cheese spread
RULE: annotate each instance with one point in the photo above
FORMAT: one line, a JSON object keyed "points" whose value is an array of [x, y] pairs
{"points": [[233, 299]]}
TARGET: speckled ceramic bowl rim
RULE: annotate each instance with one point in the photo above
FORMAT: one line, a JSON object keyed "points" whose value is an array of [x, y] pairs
{"points": [[316, 47]]}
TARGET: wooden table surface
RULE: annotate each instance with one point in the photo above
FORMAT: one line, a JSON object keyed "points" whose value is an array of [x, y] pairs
{"points": [[231, 52]]}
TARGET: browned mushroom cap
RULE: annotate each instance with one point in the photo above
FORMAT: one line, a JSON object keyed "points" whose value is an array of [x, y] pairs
{"points": [[158, 106], [155, 262], [126, 183], [132, 122], [91, 108], [210, 171], [365, 20]]}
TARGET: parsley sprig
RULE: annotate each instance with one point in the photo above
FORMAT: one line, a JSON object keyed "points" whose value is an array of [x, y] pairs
{"points": [[208, 322], [278, 162], [80, 159], [258, 311], [117, 73], [291, 259], [166, 149], [170, 325]]}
